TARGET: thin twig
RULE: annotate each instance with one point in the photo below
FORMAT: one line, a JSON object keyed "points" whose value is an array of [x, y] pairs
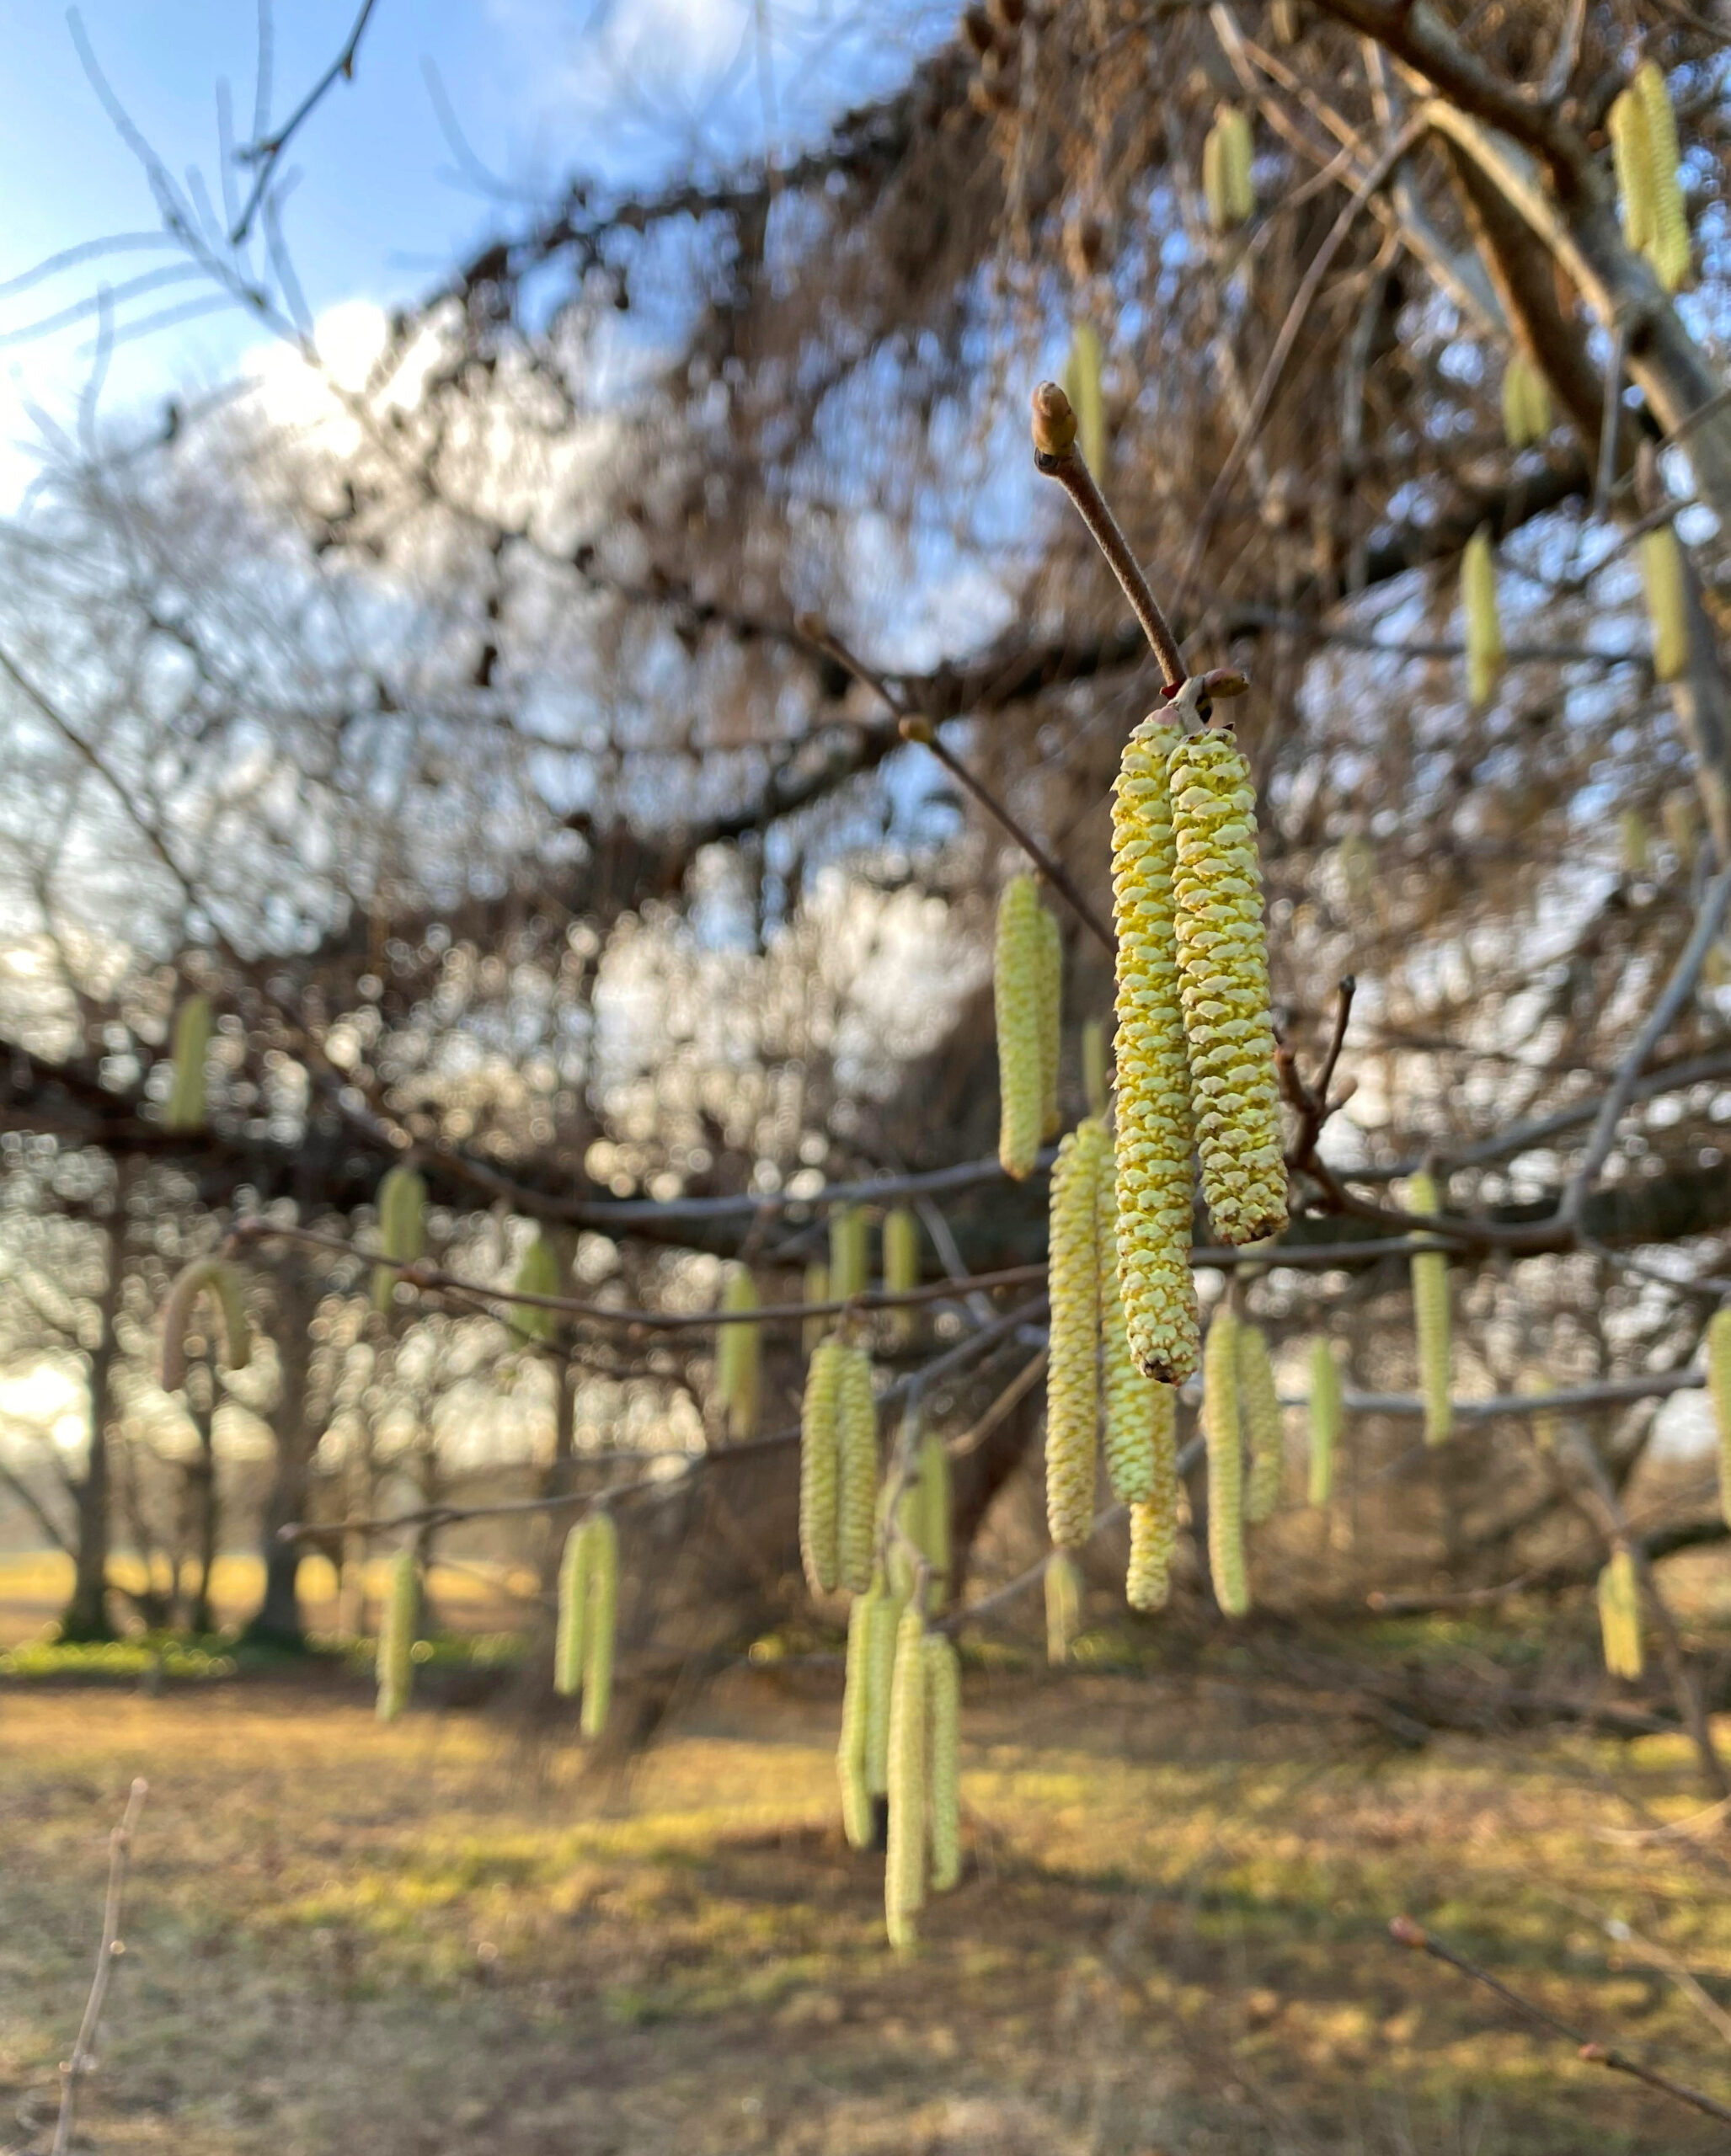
{"points": [[1405, 1933], [82, 2061], [267, 153]]}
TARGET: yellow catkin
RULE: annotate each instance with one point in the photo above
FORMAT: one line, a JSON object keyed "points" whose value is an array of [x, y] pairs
{"points": [[1620, 1616], [1238, 156], [573, 1611], [819, 1465], [1051, 1022], [1082, 385], [856, 1820], [1669, 253], [943, 1738], [817, 1290], [1214, 179], [184, 1108], [539, 1274], [209, 1276], [1484, 627], [850, 1252], [934, 1535], [1221, 1423], [403, 1212], [1718, 1384], [1326, 1415], [901, 1267], [1093, 1065], [904, 1863], [738, 1356], [1223, 971], [395, 1650], [600, 1623], [1154, 1133], [881, 1629], [1016, 996], [1662, 577], [1131, 1400], [857, 1470], [1154, 1522], [1636, 850], [1259, 1407], [1431, 1324], [1632, 155], [1063, 1584], [1072, 1360], [1526, 402]]}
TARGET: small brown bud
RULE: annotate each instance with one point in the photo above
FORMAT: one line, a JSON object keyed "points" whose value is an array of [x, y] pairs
{"points": [[1053, 422], [1405, 1933]]}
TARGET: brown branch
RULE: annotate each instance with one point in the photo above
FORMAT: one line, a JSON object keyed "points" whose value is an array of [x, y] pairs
{"points": [[267, 154], [1405, 1933], [82, 2061]]}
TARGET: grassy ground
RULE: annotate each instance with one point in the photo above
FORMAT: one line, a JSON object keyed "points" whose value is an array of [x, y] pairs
{"points": [[1172, 1936]]}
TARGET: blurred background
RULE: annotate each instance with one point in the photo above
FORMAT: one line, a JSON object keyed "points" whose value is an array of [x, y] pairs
{"points": [[482, 487]]}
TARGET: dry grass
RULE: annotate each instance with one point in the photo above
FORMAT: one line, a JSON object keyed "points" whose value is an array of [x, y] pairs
{"points": [[1171, 1936]]}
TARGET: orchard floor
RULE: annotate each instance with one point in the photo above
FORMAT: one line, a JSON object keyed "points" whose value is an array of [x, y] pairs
{"points": [[1172, 1936]]}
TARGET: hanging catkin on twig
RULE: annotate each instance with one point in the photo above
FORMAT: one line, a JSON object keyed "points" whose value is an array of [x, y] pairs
{"points": [[738, 1356], [1620, 1616], [857, 1470], [1051, 1023], [396, 1649], [1155, 1183], [1431, 1323], [1018, 962], [1227, 188], [1223, 978], [539, 1274], [1063, 1586], [600, 1623], [573, 1611], [1260, 1408], [1484, 627], [857, 1821], [1072, 1390], [943, 1705], [850, 1252], [882, 1628], [901, 1267], [1526, 402], [817, 1290], [222, 1283], [1662, 577], [1718, 1385], [904, 1863], [1132, 1401], [1154, 1522], [1669, 253], [820, 1466], [403, 1215], [1326, 1416], [184, 1108], [1223, 1432]]}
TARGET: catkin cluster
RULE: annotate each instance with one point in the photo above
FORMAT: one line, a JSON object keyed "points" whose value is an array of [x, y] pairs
{"points": [[1026, 994], [184, 1108], [1227, 188], [1526, 403], [1620, 1616], [395, 1666], [1643, 140], [838, 1468], [1222, 1428], [738, 1356], [1484, 626], [1326, 1415], [1260, 1409], [403, 1229], [1223, 970], [539, 1274], [1430, 1323], [1154, 1177], [220, 1280], [1718, 1385], [1073, 1285], [1154, 1521], [1662, 579], [588, 1604]]}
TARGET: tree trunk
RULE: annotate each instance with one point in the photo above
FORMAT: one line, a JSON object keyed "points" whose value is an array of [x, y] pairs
{"points": [[86, 1616]]}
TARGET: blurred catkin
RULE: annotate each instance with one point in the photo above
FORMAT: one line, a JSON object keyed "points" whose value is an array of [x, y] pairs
{"points": [[1431, 1323], [1326, 1416], [184, 1108], [819, 1465], [395, 1648], [944, 1707], [857, 1470], [1259, 1407], [1718, 1381], [905, 1865], [1484, 628], [573, 1611], [1072, 1387], [601, 1622]]}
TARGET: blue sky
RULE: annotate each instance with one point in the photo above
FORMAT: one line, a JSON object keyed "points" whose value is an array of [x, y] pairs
{"points": [[540, 88]]}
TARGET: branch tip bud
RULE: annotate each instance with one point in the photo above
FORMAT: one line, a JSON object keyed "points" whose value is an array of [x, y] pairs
{"points": [[916, 729], [1054, 422], [1405, 1933]]}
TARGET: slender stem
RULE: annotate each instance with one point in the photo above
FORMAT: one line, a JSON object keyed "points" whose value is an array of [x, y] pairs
{"points": [[1406, 1933], [1056, 455], [83, 2061]]}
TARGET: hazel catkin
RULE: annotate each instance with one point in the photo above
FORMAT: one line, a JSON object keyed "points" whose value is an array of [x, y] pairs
{"points": [[739, 1355], [1153, 1173], [858, 1822], [1484, 628], [850, 1252], [1154, 1521], [819, 1465], [904, 1863], [1620, 1616], [1223, 973], [538, 1274], [215, 1276], [1063, 1591], [901, 1267], [600, 1623], [402, 1212], [1224, 1438], [1326, 1411], [1431, 1323], [1132, 1401], [184, 1108], [1051, 1023], [1073, 1350], [1259, 1407], [573, 1611], [395, 1648], [1017, 974], [1663, 581], [1718, 1385], [857, 1470], [943, 1701]]}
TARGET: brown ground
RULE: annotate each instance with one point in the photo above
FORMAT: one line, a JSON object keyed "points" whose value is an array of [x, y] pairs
{"points": [[1171, 1936]]}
